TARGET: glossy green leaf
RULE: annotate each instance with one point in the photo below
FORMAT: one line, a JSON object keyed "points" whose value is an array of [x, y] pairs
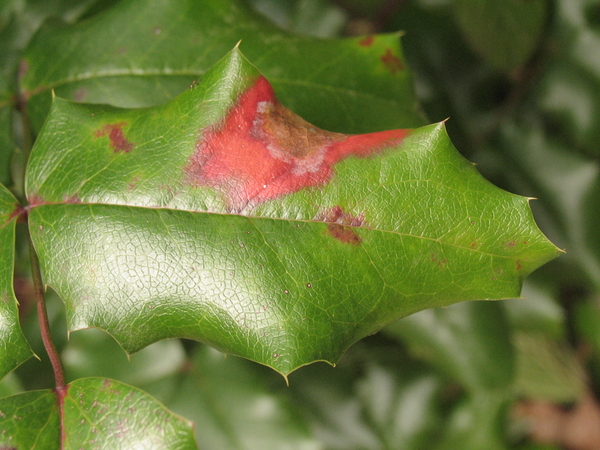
{"points": [[14, 349], [18, 22], [136, 244], [469, 341], [97, 413], [39, 411], [505, 33], [237, 405], [163, 46], [567, 184]]}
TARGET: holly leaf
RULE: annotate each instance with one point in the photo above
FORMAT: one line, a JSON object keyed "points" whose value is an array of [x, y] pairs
{"points": [[14, 349], [222, 216], [95, 413], [142, 53]]}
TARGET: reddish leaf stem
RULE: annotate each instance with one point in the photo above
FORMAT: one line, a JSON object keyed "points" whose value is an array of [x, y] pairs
{"points": [[59, 375]]}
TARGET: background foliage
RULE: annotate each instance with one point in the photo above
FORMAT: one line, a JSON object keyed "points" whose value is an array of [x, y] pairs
{"points": [[520, 82]]}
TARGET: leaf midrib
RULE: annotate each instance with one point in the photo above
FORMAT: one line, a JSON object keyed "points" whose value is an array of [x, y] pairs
{"points": [[251, 217]]}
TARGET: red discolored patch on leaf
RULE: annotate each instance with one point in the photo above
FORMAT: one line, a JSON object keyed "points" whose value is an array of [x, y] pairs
{"points": [[519, 266], [392, 62], [80, 94], [367, 42], [341, 225], [344, 234], [118, 141], [263, 151], [73, 199], [36, 200]]}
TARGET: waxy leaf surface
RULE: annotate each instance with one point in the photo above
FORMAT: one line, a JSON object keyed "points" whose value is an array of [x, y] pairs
{"points": [[144, 52], [14, 349], [224, 217], [96, 413]]}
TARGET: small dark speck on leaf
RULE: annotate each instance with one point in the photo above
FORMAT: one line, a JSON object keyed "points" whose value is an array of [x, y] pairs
{"points": [[308, 285]]}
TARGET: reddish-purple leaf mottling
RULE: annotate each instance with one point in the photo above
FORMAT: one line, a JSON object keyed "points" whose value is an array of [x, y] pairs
{"points": [[117, 139], [341, 225], [263, 151]]}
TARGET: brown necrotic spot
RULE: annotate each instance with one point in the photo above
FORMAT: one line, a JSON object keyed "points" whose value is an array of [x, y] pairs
{"points": [[117, 139], [341, 225], [367, 42], [391, 61], [347, 235]]}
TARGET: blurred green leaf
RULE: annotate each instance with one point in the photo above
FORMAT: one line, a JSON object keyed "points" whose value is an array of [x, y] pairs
{"points": [[340, 84], [505, 33], [94, 353], [317, 18], [238, 405], [376, 399], [547, 369], [538, 310], [18, 22], [468, 341], [587, 321], [568, 96], [14, 349], [477, 423]]}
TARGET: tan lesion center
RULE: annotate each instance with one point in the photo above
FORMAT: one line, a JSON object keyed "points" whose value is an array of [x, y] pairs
{"points": [[289, 133]]}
